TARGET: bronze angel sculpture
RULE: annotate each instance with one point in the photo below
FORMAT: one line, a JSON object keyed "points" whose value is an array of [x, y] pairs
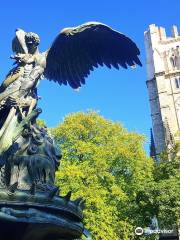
{"points": [[28, 154]]}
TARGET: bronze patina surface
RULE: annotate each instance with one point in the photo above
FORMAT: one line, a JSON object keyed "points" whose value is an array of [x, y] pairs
{"points": [[31, 207]]}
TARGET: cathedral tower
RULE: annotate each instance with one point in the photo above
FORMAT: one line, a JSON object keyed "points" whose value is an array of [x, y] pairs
{"points": [[163, 83]]}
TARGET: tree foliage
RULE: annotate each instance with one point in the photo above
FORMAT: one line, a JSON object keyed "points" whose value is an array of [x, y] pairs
{"points": [[167, 188], [161, 197], [106, 165], [41, 122]]}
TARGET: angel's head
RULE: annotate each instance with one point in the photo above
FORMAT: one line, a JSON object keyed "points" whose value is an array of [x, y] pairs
{"points": [[25, 42], [32, 41]]}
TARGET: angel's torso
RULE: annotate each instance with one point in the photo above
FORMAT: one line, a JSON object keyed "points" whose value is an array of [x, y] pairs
{"points": [[22, 81], [28, 71]]}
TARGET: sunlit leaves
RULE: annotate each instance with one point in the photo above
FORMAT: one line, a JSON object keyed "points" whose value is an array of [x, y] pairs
{"points": [[106, 165]]}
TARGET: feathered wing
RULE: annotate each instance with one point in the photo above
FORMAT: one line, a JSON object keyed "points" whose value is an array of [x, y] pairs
{"points": [[76, 51]]}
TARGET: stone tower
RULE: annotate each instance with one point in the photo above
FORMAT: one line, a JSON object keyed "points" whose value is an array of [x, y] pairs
{"points": [[163, 83]]}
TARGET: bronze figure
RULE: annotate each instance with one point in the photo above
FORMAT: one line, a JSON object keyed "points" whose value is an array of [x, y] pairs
{"points": [[28, 155]]}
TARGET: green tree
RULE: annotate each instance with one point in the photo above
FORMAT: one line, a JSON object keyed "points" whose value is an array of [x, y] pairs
{"points": [[106, 165], [161, 197], [41, 122], [167, 187]]}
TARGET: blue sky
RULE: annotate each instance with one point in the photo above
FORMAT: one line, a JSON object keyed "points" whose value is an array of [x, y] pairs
{"points": [[118, 95]]}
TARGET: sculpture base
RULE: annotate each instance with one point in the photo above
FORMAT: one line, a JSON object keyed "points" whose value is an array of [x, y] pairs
{"points": [[26, 231], [38, 217]]}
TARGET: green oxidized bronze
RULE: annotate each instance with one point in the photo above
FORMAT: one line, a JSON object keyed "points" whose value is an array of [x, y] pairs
{"points": [[30, 205]]}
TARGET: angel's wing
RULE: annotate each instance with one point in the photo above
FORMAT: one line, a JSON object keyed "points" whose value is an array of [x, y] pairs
{"points": [[77, 50]]}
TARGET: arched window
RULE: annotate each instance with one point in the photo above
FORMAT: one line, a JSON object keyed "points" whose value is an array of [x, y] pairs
{"points": [[177, 82], [173, 60]]}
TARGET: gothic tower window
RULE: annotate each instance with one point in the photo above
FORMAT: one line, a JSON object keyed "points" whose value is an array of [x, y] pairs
{"points": [[173, 60], [177, 82], [178, 57]]}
